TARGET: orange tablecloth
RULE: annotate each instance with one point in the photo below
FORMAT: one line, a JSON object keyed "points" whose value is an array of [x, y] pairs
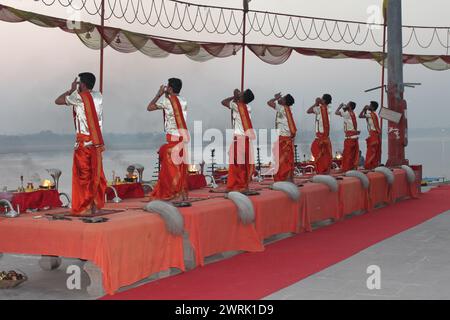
{"points": [[320, 203], [135, 244], [401, 188], [381, 192], [276, 213], [129, 247], [378, 189], [352, 197], [214, 227]]}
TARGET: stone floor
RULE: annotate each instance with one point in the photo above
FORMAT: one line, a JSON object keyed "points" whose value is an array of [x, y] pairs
{"points": [[414, 264]]}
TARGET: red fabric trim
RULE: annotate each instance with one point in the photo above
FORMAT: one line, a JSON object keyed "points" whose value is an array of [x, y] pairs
{"points": [[92, 119]]}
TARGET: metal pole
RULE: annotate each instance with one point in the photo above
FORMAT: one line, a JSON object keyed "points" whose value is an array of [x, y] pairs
{"points": [[397, 134], [243, 43], [383, 73], [101, 44]]}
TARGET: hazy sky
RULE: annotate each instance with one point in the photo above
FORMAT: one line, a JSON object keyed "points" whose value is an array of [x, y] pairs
{"points": [[37, 64]]}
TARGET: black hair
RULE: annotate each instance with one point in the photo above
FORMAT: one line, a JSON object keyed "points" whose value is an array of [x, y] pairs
{"points": [[374, 105], [352, 105], [289, 100], [88, 79], [327, 98], [248, 96], [175, 84]]}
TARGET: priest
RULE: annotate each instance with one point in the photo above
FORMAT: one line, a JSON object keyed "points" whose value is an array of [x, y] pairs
{"points": [[283, 149], [373, 155], [321, 148], [350, 157], [88, 178], [172, 180], [241, 166]]}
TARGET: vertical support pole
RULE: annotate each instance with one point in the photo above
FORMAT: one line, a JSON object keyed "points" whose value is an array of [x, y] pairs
{"points": [[102, 44], [243, 43], [383, 71], [397, 134]]}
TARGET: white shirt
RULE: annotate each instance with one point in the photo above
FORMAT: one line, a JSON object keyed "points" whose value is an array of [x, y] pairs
{"points": [[319, 120], [170, 124], [370, 124], [281, 121], [348, 123], [237, 121], [74, 100]]}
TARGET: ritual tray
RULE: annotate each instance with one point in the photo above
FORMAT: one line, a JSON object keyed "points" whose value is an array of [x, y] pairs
{"points": [[99, 213], [94, 219], [9, 284], [251, 192]]}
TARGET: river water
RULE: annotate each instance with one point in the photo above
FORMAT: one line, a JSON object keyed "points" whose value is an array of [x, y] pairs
{"points": [[432, 153]]}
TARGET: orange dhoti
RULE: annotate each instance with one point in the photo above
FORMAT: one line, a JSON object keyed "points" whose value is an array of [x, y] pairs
{"points": [[241, 166], [88, 178], [172, 179], [322, 152], [373, 155], [350, 157], [284, 157]]}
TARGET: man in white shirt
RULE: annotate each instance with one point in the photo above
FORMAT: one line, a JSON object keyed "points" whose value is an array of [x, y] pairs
{"points": [[88, 179], [283, 149], [321, 148], [172, 181], [350, 157], [241, 167]]}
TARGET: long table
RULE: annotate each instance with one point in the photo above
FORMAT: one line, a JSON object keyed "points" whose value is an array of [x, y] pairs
{"points": [[135, 244]]}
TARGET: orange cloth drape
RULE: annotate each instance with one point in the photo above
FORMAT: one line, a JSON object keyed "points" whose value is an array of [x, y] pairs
{"points": [[352, 197], [350, 157], [376, 122], [214, 227], [290, 121], [284, 155], [373, 155], [130, 247], [241, 166], [172, 179], [319, 204], [179, 118], [325, 120], [246, 121], [92, 119]]}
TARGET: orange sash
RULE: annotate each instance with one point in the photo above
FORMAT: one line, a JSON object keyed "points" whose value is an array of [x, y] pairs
{"points": [[350, 133], [92, 119], [325, 120], [290, 120], [375, 122], [246, 121], [179, 118]]}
